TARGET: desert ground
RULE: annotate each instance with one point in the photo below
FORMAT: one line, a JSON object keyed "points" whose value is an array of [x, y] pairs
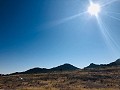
{"points": [[83, 79]]}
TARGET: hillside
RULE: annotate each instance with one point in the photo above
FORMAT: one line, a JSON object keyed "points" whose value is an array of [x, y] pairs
{"points": [[64, 67], [65, 77], [86, 79], [115, 63]]}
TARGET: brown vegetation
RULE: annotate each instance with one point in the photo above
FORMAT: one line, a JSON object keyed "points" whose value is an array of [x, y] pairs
{"points": [[89, 79]]}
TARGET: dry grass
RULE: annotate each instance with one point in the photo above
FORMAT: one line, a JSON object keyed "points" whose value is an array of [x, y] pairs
{"points": [[96, 79], [68, 89]]}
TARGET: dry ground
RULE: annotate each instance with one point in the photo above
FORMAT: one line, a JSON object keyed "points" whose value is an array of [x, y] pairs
{"points": [[93, 79]]}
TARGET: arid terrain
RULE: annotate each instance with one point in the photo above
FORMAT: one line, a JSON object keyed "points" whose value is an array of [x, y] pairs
{"points": [[82, 79]]}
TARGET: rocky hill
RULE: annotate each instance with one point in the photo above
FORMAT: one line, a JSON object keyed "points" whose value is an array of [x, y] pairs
{"points": [[64, 67], [115, 63]]}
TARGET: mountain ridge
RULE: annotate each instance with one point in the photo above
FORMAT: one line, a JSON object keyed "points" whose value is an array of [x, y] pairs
{"points": [[66, 67], [115, 63], [36, 70]]}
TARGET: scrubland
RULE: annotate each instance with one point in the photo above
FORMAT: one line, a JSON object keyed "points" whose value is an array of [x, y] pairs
{"points": [[84, 79]]}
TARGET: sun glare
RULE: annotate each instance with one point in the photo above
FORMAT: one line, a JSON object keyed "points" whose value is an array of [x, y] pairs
{"points": [[94, 9]]}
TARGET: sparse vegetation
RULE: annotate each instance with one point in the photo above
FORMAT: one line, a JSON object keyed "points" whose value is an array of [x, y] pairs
{"points": [[86, 79]]}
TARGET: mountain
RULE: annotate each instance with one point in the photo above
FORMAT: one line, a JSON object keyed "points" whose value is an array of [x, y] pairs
{"points": [[64, 67], [115, 63], [92, 65], [67, 67], [35, 70]]}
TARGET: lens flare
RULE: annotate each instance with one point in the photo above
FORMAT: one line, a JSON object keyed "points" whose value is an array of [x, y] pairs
{"points": [[94, 9]]}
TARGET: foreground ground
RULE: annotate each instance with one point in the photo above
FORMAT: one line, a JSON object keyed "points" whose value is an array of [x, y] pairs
{"points": [[93, 79]]}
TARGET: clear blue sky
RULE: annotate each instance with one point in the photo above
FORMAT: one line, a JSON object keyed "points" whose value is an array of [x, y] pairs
{"points": [[47, 33]]}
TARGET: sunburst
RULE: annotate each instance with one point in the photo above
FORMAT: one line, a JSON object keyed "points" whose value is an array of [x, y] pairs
{"points": [[94, 9]]}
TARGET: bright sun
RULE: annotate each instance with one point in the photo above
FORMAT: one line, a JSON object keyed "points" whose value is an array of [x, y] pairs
{"points": [[94, 9]]}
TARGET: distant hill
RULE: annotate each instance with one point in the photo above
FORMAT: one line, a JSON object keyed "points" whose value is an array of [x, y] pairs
{"points": [[64, 67], [115, 63], [35, 70], [67, 67]]}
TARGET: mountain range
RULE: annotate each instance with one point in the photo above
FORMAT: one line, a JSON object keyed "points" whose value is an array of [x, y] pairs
{"points": [[115, 63], [64, 67], [67, 67]]}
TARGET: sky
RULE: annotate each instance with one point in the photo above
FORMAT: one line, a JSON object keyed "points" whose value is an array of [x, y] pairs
{"points": [[48, 33]]}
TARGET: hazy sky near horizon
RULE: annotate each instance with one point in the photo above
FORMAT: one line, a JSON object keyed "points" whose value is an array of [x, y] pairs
{"points": [[47, 33]]}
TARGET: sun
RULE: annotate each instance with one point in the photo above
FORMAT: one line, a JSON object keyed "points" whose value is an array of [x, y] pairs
{"points": [[94, 9]]}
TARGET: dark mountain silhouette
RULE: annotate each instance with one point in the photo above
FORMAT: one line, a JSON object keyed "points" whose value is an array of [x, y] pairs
{"points": [[116, 63], [67, 67], [92, 65], [64, 67], [35, 70]]}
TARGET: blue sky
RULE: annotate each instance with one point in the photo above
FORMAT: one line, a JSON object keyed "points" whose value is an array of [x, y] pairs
{"points": [[47, 33]]}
